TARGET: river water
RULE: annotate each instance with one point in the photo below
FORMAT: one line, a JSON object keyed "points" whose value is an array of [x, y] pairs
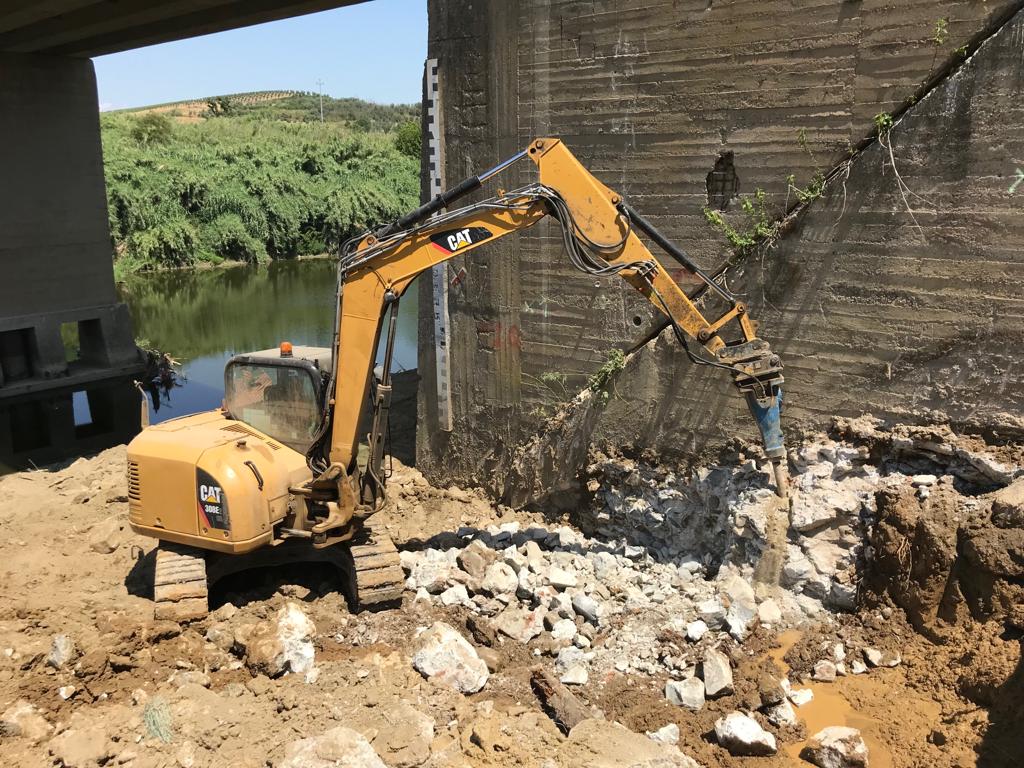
{"points": [[203, 317]]}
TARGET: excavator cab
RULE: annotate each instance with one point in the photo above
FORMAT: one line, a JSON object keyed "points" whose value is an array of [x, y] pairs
{"points": [[279, 392]]}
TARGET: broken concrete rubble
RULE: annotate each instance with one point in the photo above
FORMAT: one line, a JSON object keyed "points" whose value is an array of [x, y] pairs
{"points": [[445, 656], [716, 671], [743, 735], [283, 644], [836, 747], [688, 693]]}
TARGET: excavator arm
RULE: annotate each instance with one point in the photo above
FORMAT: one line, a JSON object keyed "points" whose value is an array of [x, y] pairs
{"points": [[600, 233]]}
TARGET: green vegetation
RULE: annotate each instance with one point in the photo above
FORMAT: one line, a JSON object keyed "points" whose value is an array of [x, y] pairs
{"points": [[355, 114], [601, 381], [941, 32], [758, 226], [253, 181], [883, 123], [409, 138]]}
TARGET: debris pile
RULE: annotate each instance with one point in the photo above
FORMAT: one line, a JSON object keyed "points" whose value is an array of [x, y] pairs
{"points": [[637, 630]]}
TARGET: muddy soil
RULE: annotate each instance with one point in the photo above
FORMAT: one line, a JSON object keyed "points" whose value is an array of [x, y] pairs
{"points": [[943, 599]]}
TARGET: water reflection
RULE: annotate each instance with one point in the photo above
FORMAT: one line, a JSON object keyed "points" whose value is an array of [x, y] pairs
{"points": [[204, 317]]}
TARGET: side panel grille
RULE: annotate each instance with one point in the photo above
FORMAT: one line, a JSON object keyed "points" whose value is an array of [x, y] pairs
{"points": [[134, 491]]}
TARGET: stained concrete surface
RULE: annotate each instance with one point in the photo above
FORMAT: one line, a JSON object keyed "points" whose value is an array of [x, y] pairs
{"points": [[869, 314]]}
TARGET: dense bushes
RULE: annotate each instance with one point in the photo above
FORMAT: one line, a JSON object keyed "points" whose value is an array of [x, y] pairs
{"points": [[245, 189]]}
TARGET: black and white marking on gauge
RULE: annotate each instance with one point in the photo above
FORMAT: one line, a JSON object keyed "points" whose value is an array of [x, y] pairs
{"points": [[439, 273]]}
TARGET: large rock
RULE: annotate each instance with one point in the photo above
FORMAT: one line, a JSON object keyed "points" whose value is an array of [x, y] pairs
{"points": [[80, 747], [717, 674], [587, 607], [743, 735], [826, 503], [687, 693], [62, 651], [712, 612], [337, 748], [742, 610], [824, 672], [444, 656], [475, 558], [520, 624], [105, 537], [283, 644], [781, 714], [432, 571], [24, 720], [559, 578], [500, 579], [667, 734], [836, 747], [1008, 506]]}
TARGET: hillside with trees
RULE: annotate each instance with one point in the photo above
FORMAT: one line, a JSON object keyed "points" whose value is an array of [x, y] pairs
{"points": [[252, 179]]}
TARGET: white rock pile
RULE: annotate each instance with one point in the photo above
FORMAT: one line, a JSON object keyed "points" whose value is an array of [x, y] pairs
{"points": [[719, 518]]}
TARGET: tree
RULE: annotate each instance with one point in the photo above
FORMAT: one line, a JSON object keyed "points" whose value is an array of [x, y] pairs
{"points": [[218, 106], [409, 138], [152, 128]]}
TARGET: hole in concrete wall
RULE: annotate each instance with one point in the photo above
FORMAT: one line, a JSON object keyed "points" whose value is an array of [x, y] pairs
{"points": [[15, 355], [637, 320], [69, 335], [90, 342], [723, 184], [80, 406], [29, 429]]}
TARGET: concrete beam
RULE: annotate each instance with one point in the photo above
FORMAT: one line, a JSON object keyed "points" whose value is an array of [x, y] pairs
{"points": [[21, 13], [86, 29]]}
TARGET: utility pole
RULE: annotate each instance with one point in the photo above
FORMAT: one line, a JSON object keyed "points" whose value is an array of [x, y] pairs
{"points": [[320, 85]]}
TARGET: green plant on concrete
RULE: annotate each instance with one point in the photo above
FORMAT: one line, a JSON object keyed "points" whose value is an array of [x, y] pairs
{"points": [[814, 190], [961, 52], [941, 32], [757, 227], [556, 383], [883, 123], [601, 382]]}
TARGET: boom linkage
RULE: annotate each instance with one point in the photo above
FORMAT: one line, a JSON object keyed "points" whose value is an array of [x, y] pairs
{"points": [[599, 234]]}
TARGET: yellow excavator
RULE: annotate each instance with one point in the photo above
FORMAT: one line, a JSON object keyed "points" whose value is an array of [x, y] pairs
{"points": [[277, 475]]}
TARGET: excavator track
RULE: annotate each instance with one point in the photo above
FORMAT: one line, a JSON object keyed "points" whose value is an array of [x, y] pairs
{"points": [[179, 583], [377, 569]]}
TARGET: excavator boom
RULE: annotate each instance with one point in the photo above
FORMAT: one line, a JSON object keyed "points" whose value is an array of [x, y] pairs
{"points": [[600, 233]]}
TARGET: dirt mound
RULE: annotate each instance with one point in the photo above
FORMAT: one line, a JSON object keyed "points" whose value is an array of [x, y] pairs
{"points": [[942, 557]]}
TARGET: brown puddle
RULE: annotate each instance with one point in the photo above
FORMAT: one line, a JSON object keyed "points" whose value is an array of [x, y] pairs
{"points": [[828, 707]]}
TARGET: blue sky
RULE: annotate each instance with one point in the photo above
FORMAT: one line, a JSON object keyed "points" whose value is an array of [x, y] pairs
{"points": [[374, 51]]}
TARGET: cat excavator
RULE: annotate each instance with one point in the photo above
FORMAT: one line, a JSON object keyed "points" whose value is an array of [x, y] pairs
{"points": [[278, 474]]}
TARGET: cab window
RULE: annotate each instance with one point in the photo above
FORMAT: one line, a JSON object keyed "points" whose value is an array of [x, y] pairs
{"points": [[280, 401]]}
